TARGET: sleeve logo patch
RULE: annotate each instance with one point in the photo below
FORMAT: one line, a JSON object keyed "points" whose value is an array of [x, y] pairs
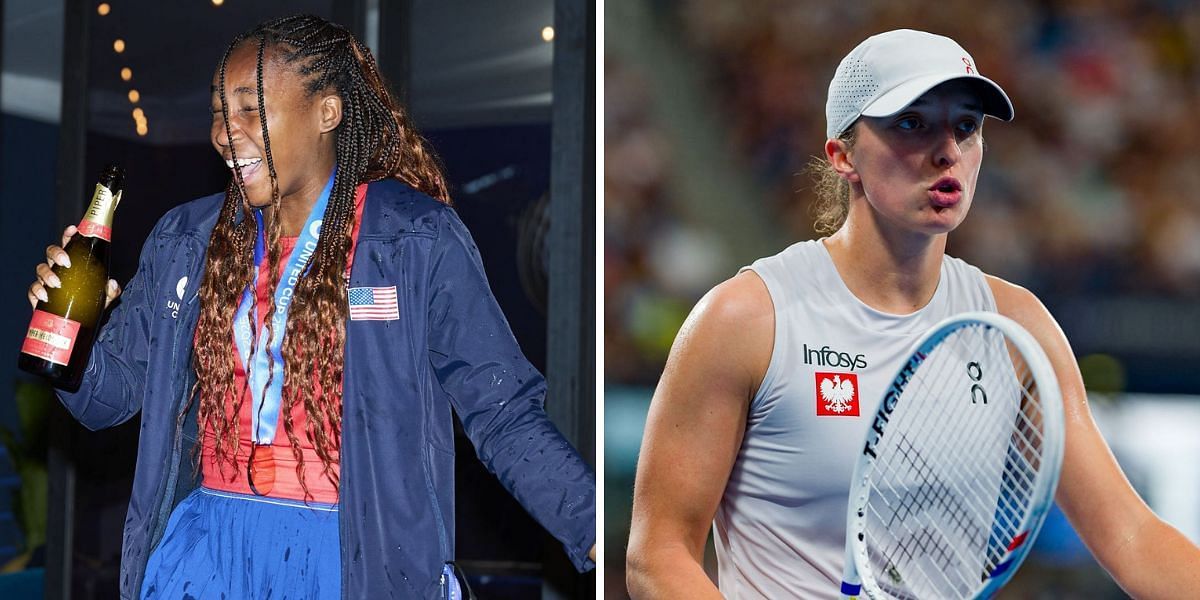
{"points": [[373, 303]]}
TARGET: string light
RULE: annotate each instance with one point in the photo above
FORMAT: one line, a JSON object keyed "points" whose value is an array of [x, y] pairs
{"points": [[547, 33], [139, 121], [218, 2], [139, 117]]}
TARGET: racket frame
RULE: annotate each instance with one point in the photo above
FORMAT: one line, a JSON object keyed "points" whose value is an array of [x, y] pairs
{"points": [[853, 585]]}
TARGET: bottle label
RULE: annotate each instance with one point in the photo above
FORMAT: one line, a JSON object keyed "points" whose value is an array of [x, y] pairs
{"points": [[50, 337], [97, 221]]}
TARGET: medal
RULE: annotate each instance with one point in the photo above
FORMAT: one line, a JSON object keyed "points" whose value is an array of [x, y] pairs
{"points": [[266, 391], [260, 469]]}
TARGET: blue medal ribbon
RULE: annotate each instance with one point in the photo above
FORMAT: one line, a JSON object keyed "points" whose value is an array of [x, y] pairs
{"points": [[266, 399]]}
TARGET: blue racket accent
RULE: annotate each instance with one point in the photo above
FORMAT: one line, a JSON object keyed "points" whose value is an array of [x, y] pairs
{"points": [[1001, 568], [849, 589], [1016, 543]]}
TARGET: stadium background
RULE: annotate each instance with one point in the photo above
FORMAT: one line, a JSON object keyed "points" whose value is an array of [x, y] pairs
{"points": [[1089, 198]]}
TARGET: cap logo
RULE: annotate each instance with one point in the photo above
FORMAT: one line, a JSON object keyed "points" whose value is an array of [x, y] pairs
{"points": [[970, 68]]}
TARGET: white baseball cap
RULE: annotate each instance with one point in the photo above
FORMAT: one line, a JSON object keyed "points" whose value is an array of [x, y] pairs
{"points": [[888, 71]]}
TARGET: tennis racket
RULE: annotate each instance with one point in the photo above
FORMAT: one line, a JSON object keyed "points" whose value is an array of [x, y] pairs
{"points": [[958, 468]]}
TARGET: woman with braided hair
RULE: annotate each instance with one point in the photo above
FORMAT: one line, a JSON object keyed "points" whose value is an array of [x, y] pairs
{"points": [[333, 289]]}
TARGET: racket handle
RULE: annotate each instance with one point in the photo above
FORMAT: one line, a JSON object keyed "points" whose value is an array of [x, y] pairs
{"points": [[851, 580]]}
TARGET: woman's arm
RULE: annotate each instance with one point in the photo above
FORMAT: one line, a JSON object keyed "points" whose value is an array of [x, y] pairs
{"points": [[499, 396], [1147, 557], [694, 429], [110, 391]]}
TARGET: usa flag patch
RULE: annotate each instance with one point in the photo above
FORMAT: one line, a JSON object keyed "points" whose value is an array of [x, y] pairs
{"points": [[373, 304]]}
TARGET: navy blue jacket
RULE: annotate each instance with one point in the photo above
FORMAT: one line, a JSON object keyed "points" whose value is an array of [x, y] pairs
{"points": [[451, 347]]}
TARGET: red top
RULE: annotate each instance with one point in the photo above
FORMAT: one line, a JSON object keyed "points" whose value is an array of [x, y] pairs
{"points": [[286, 484]]}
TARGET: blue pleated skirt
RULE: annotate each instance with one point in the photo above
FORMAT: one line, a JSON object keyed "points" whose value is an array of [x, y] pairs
{"points": [[227, 545]]}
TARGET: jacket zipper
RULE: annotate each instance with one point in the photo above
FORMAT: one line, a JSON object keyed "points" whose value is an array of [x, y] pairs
{"points": [[168, 495], [427, 466], [343, 471], [344, 551]]}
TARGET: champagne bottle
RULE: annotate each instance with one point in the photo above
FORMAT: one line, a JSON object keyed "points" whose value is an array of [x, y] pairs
{"points": [[59, 340]]}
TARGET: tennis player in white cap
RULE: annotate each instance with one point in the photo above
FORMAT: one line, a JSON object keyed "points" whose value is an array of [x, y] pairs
{"points": [[765, 399]]}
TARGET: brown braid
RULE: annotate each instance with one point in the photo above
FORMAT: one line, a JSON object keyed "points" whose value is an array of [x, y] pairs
{"points": [[375, 140]]}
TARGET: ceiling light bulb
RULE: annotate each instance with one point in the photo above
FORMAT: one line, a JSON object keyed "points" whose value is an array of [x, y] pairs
{"points": [[103, 8], [547, 33], [119, 45], [134, 96], [126, 73]]}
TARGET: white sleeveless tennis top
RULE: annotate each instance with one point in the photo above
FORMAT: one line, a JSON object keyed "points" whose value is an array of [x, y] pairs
{"points": [[780, 528]]}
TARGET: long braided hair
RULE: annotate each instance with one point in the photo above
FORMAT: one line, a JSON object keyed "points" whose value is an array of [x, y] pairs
{"points": [[375, 140]]}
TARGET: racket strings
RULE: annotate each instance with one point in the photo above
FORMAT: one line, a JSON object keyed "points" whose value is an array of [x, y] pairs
{"points": [[924, 538], [992, 433], [935, 525], [1012, 511], [926, 428], [956, 519], [959, 516]]}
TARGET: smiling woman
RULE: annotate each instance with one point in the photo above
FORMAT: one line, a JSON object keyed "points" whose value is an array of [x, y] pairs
{"points": [[312, 90], [333, 312]]}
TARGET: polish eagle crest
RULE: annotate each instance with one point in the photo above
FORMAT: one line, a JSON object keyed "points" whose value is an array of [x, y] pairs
{"points": [[837, 393]]}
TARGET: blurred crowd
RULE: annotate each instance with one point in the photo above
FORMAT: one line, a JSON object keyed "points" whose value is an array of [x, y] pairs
{"points": [[1094, 189]]}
